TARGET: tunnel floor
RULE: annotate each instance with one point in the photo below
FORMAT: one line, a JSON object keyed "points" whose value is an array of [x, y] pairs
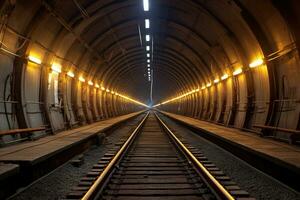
{"points": [[61, 182]]}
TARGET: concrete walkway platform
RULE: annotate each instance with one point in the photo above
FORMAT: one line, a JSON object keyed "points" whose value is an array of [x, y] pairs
{"points": [[36, 158], [43, 148], [8, 178], [278, 159]]}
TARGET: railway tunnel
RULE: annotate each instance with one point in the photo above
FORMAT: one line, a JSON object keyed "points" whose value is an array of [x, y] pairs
{"points": [[88, 85]]}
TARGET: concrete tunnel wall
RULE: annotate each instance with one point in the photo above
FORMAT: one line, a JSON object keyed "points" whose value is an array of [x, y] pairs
{"points": [[200, 42], [265, 95], [32, 95]]}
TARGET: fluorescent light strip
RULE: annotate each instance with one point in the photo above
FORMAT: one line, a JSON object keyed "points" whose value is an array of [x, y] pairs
{"points": [[237, 71], [216, 80], [147, 48], [35, 60], [147, 38], [256, 63], [147, 23], [91, 83], [71, 74], [81, 79], [225, 76], [56, 67], [146, 5]]}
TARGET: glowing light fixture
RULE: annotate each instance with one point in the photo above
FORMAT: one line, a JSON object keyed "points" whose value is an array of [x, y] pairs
{"points": [[148, 60], [97, 86], [147, 38], [71, 74], [107, 90], [225, 76], [147, 48], [90, 83], [81, 79], [237, 71], [148, 55], [203, 87], [147, 23], [216, 80], [112, 92], [56, 67], [208, 84], [256, 63], [148, 65], [146, 5], [34, 59], [102, 88]]}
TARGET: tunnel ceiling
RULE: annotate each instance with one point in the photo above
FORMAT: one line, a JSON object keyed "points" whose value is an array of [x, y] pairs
{"points": [[193, 40]]}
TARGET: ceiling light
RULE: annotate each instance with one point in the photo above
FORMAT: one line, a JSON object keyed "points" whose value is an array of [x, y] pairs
{"points": [[102, 88], [237, 71], [147, 23], [148, 60], [256, 63], [107, 90], [146, 5], [203, 87], [71, 74], [56, 67], [34, 60], [147, 38], [96, 85], [225, 76], [81, 79], [208, 84], [148, 69], [147, 48], [148, 55], [148, 65]]}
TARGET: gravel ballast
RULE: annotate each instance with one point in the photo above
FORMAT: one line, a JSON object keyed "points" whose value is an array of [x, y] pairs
{"points": [[58, 183], [258, 184]]}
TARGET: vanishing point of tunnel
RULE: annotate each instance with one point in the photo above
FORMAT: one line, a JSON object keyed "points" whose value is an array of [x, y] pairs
{"points": [[149, 99]]}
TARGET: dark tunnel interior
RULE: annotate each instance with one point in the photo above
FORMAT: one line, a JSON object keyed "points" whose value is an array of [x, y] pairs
{"points": [[72, 69], [237, 60]]}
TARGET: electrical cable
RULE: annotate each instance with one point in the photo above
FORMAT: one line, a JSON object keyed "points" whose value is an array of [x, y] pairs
{"points": [[4, 97]]}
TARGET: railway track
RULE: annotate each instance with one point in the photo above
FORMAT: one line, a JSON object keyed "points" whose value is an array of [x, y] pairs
{"points": [[153, 163]]}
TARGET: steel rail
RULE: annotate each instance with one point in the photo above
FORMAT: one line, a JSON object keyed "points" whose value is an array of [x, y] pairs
{"points": [[209, 178], [93, 190]]}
